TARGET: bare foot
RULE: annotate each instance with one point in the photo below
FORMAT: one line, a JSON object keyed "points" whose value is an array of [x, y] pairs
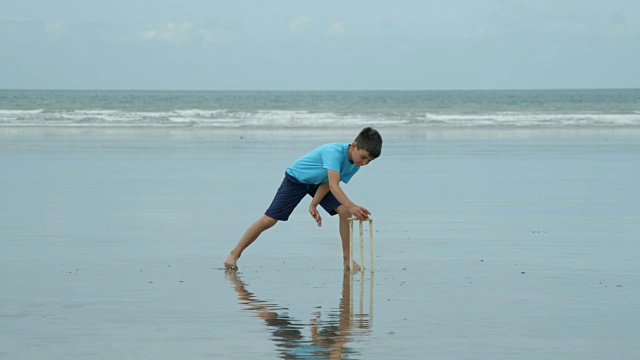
{"points": [[230, 262], [356, 267]]}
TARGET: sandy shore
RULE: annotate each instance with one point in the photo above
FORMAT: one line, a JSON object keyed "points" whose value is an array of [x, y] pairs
{"points": [[503, 245]]}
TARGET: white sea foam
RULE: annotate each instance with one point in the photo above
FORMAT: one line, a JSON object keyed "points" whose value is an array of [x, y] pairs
{"points": [[310, 119], [516, 119]]}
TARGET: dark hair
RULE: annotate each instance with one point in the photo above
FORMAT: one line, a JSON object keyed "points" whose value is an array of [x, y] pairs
{"points": [[369, 139]]}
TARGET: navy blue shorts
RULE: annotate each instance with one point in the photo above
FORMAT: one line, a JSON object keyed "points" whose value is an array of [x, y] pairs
{"points": [[289, 195]]}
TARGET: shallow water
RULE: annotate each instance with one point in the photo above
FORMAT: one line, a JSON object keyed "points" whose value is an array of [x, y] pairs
{"points": [[485, 248]]}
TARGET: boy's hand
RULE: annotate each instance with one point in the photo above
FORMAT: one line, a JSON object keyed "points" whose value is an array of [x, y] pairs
{"points": [[315, 214], [359, 212]]}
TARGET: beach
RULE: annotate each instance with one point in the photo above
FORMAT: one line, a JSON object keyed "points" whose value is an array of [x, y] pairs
{"points": [[502, 244]]}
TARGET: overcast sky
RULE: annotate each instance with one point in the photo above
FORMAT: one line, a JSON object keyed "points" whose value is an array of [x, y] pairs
{"points": [[319, 45]]}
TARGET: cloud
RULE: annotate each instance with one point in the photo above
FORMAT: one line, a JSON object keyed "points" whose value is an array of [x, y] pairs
{"points": [[621, 26], [337, 30], [54, 29], [211, 32], [217, 32], [300, 23], [565, 20], [178, 33]]}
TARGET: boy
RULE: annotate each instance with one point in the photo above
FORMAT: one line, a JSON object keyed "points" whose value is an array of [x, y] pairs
{"points": [[318, 174]]}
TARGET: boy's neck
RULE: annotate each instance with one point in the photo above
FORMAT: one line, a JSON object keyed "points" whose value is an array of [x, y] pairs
{"points": [[349, 149]]}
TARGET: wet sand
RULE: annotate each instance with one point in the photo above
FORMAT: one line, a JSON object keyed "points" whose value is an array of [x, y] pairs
{"points": [[503, 245]]}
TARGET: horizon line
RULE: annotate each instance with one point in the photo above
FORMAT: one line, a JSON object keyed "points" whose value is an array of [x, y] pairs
{"points": [[319, 90]]}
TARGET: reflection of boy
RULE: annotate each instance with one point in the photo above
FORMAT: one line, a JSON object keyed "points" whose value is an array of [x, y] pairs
{"points": [[318, 174], [328, 338]]}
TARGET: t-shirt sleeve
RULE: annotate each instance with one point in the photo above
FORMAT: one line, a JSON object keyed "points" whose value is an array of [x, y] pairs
{"points": [[331, 159]]}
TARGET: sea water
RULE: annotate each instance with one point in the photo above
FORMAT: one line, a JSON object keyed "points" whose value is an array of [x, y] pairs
{"points": [[618, 108]]}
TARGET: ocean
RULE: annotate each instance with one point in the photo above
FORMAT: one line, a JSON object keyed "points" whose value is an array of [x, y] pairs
{"points": [[567, 109]]}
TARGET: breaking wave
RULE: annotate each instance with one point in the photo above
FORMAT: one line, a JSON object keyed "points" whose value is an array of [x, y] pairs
{"points": [[309, 119]]}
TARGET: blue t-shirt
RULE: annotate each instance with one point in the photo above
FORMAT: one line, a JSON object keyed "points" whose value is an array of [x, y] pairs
{"points": [[312, 168]]}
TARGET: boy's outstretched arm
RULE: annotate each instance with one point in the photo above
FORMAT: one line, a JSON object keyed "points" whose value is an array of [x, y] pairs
{"points": [[358, 212], [322, 190]]}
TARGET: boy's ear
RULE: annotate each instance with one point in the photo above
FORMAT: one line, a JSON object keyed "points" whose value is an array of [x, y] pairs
{"points": [[354, 144]]}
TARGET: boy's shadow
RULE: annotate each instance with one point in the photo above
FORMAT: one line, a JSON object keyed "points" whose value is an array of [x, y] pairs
{"points": [[328, 337]]}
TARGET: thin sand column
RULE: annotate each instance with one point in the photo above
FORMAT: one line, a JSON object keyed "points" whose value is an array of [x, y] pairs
{"points": [[371, 245], [361, 245], [351, 242]]}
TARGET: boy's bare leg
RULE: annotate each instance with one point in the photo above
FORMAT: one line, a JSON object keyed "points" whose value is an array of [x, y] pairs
{"points": [[263, 223], [344, 236]]}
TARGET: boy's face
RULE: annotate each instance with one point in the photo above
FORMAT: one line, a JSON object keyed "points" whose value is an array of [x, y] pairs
{"points": [[359, 157]]}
